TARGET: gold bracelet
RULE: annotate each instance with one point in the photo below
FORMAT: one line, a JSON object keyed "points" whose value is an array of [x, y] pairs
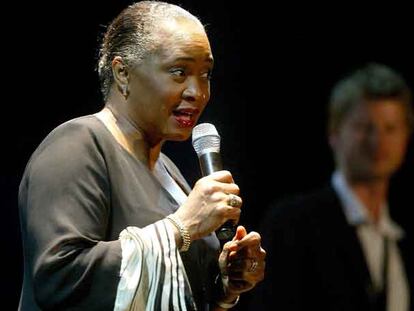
{"points": [[185, 235], [226, 305]]}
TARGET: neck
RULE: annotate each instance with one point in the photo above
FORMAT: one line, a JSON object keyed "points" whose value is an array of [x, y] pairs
{"points": [[129, 136], [373, 194]]}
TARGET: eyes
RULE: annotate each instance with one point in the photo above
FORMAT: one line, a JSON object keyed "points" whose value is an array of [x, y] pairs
{"points": [[369, 128], [181, 73]]}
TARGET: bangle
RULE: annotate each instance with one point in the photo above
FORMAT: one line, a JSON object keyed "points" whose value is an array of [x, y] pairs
{"points": [[225, 305], [185, 235]]}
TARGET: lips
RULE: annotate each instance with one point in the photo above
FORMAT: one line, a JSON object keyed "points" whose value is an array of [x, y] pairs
{"points": [[185, 117]]}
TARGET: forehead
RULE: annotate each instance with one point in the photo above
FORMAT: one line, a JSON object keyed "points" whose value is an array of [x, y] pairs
{"points": [[381, 110], [181, 36]]}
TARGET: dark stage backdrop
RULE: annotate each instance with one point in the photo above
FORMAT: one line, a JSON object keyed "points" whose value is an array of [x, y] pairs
{"points": [[274, 69]]}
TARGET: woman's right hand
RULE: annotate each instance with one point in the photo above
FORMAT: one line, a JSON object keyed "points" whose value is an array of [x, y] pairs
{"points": [[207, 206]]}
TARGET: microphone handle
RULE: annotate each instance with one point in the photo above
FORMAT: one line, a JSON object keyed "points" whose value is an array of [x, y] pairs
{"points": [[211, 162]]}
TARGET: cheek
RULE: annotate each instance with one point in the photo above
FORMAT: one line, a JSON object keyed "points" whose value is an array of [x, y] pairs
{"points": [[399, 150], [397, 144], [203, 105], [205, 98], [349, 142], [354, 151]]}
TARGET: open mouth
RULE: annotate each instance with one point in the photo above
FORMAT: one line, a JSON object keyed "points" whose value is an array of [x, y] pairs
{"points": [[185, 117]]}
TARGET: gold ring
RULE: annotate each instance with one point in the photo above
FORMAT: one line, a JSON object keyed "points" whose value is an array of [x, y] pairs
{"points": [[233, 200]]}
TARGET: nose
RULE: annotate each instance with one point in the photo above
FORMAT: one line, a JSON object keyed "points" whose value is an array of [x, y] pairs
{"points": [[376, 136], [193, 91]]}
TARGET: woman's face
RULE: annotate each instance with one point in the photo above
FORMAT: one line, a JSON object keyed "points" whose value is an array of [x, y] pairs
{"points": [[170, 88]]}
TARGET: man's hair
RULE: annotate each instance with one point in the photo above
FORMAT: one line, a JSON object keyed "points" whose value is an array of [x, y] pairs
{"points": [[371, 82], [131, 35]]}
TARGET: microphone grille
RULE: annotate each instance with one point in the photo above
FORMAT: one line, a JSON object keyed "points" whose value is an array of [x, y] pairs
{"points": [[205, 139]]}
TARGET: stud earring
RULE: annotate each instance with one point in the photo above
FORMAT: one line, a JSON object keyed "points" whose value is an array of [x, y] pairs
{"points": [[125, 91]]}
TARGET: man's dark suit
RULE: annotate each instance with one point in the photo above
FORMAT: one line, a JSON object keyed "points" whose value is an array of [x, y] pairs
{"points": [[314, 258]]}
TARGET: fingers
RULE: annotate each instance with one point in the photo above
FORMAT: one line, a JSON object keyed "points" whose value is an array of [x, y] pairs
{"points": [[214, 189], [245, 248], [224, 255], [222, 176], [240, 233], [247, 269], [243, 275], [213, 201], [249, 265], [250, 246], [234, 200], [218, 181], [244, 264]]}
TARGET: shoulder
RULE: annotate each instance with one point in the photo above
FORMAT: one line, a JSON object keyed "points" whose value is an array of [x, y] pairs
{"points": [[85, 127], [302, 210], [310, 202], [72, 135], [71, 144], [295, 218]]}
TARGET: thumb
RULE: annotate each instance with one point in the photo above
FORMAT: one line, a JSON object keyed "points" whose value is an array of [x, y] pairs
{"points": [[240, 233]]}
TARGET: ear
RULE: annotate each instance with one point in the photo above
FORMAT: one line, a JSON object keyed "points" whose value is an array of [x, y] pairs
{"points": [[120, 73]]}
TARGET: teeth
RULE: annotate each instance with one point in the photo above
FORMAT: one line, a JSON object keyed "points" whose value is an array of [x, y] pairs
{"points": [[184, 113]]}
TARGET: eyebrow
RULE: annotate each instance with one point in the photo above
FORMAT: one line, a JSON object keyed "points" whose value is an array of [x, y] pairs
{"points": [[208, 59]]}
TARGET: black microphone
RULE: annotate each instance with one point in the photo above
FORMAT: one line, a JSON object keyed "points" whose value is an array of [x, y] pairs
{"points": [[206, 143]]}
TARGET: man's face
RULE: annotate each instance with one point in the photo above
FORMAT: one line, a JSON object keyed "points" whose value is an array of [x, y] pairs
{"points": [[371, 141]]}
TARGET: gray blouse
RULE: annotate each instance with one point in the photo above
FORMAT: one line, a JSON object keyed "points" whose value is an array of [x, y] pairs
{"points": [[80, 189]]}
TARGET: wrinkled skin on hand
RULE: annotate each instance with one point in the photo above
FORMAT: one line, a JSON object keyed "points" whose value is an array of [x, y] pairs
{"points": [[242, 262], [207, 206]]}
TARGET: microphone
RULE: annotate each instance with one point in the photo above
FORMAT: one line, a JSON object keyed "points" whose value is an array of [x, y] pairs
{"points": [[206, 143]]}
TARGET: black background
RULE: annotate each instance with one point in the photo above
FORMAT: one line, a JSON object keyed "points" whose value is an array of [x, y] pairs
{"points": [[274, 67]]}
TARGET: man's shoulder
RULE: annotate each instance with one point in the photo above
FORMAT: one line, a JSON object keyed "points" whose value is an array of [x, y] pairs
{"points": [[317, 200]]}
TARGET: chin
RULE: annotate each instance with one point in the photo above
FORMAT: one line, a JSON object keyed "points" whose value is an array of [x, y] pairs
{"points": [[181, 136], [173, 132], [386, 168], [375, 174]]}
